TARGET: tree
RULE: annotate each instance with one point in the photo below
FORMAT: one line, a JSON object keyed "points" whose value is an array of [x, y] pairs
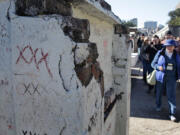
{"points": [[174, 17], [128, 23]]}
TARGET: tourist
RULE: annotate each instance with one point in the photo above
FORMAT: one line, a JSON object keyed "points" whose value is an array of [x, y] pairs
{"points": [[140, 42], [144, 55], [167, 72], [148, 53], [157, 43], [168, 35]]}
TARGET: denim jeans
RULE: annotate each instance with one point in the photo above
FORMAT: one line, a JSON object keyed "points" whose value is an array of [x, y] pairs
{"points": [[170, 85]]}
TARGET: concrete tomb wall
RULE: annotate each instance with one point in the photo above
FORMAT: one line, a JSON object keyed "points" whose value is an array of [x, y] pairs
{"points": [[63, 71]]}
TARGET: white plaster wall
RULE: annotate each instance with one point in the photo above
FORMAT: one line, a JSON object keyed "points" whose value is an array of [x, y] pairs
{"points": [[110, 124], [7, 126], [42, 105], [101, 33], [44, 95], [121, 74], [42, 101]]}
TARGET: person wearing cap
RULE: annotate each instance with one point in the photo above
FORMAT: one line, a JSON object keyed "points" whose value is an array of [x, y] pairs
{"points": [[167, 73], [168, 35]]}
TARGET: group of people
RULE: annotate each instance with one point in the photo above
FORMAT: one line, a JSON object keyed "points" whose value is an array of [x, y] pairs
{"points": [[162, 55]]}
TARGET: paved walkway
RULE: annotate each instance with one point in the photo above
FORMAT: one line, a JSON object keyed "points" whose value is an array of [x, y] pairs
{"points": [[144, 119]]}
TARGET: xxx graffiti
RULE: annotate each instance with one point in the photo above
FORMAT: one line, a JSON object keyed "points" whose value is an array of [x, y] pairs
{"points": [[29, 133], [33, 57]]}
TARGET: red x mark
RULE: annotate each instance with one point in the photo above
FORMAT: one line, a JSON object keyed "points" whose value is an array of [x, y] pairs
{"points": [[22, 56], [33, 57]]}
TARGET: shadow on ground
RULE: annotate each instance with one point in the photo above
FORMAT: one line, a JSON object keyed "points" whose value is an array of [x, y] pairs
{"points": [[143, 104]]}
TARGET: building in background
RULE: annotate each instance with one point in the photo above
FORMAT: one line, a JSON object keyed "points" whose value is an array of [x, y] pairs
{"points": [[161, 33], [150, 25], [144, 31], [134, 21], [160, 26]]}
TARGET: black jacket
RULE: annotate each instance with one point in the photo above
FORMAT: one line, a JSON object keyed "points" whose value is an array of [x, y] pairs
{"points": [[139, 43], [148, 52]]}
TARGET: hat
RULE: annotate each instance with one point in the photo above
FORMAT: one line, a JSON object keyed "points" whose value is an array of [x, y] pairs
{"points": [[170, 42], [168, 32]]}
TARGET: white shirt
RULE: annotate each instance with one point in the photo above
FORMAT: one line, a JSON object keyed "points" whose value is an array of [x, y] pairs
{"points": [[168, 54]]}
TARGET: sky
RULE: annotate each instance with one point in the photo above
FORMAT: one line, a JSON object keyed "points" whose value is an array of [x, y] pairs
{"points": [[144, 10]]}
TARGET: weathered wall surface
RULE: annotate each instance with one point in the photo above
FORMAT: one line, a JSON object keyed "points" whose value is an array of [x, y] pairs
{"points": [[121, 74], [57, 75], [101, 34], [7, 125], [45, 83]]}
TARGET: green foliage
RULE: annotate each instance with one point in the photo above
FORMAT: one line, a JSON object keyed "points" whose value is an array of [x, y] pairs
{"points": [[128, 24], [175, 17], [175, 22]]}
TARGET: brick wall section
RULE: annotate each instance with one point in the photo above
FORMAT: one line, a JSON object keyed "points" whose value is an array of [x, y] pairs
{"points": [[40, 7]]}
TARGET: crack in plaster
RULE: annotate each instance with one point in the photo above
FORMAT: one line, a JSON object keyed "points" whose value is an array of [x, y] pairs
{"points": [[8, 14], [60, 74]]}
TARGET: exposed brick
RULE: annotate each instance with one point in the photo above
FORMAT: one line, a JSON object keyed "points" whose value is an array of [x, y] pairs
{"points": [[105, 5], [84, 74], [96, 71], [120, 29], [93, 53], [77, 29], [39, 7], [89, 68], [98, 75]]}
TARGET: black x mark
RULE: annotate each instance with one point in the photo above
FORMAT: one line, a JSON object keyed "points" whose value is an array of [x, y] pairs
{"points": [[27, 88], [35, 88]]}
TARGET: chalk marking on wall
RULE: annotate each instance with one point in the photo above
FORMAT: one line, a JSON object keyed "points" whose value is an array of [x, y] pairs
{"points": [[105, 45], [35, 88], [34, 57], [27, 88], [18, 74], [29, 133], [109, 127], [4, 82], [3, 31], [31, 89], [24, 132]]}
